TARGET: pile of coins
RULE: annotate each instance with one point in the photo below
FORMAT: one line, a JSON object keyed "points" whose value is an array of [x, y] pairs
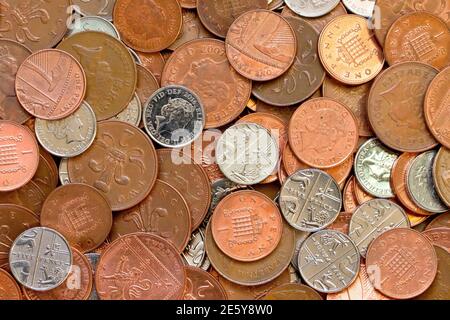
{"points": [[249, 149]]}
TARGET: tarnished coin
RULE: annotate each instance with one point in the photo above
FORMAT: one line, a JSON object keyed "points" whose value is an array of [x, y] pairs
{"points": [[192, 29], [292, 291], [311, 8], [360, 7], [282, 113], [146, 261], [132, 113], [303, 78], [373, 165], [418, 36], [194, 254], [153, 62], [261, 45], [401, 263], [200, 285], [441, 175], [372, 219], [441, 221], [439, 237], [110, 71], [348, 50], [29, 196], [247, 153], [40, 259], [300, 237], [121, 163], [349, 200], [93, 23], [329, 261], [147, 83], [63, 171], [101, 8], [420, 184], [310, 200], [9, 289], [44, 177]]}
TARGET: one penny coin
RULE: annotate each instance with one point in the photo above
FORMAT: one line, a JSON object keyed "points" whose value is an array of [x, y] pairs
{"points": [[101, 8], [293, 291], [441, 221], [153, 62], [401, 263], [146, 261], [9, 289], [441, 175], [200, 285], [439, 237], [261, 45], [121, 163]]}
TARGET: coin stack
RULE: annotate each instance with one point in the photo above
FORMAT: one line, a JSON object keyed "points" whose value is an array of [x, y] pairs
{"points": [[213, 150]]}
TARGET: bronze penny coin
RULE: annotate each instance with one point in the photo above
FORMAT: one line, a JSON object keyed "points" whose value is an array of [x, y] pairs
{"points": [[164, 212], [293, 291], [270, 190], [361, 195], [418, 36], [191, 180], [164, 17], [146, 84], [395, 107], [414, 219], [247, 225], [147, 262], [323, 133], [12, 55], [437, 107], [202, 66], [121, 163], [217, 16], [283, 113], [153, 62], [261, 45], [78, 285], [51, 161], [9, 289], [101, 8], [35, 24], [303, 78], [441, 221], [110, 71], [80, 213], [342, 222], [200, 285], [349, 197], [45, 176], [439, 237], [13, 221], [403, 263], [29, 196]]}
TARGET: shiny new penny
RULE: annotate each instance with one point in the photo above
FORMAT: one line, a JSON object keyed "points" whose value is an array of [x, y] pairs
{"points": [[293, 291], [402, 263], [153, 62], [29, 196], [350, 202], [418, 36], [12, 55], [50, 84], [439, 237], [441, 221], [311, 8], [261, 45], [202, 66], [110, 71], [101, 8], [349, 51], [247, 226], [9, 289], [146, 85], [200, 285], [146, 261], [121, 163], [441, 175], [80, 213], [148, 26], [437, 107], [303, 78], [323, 133], [217, 16]]}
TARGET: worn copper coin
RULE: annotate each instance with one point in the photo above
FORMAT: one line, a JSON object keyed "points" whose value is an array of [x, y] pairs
{"points": [[200, 285], [439, 237], [361, 195], [153, 62], [349, 200], [401, 263], [29, 196], [441, 221], [342, 222], [261, 45], [323, 133], [146, 85], [441, 175], [311, 8], [282, 113], [293, 291], [44, 177], [101, 8], [121, 163], [9, 289]]}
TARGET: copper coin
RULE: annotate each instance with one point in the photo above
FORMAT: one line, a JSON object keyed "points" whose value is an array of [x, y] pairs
{"points": [[361, 195], [110, 71], [293, 291], [9, 289], [35, 24], [247, 226], [282, 174], [441, 221], [418, 36], [401, 263], [261, 45], [414, 219], [323, 133], [189, 4], [12, 55], [146, 85], [396, 107], [29, 196], [439, 237], [349, 197], [101, 8], [202, 66], [78, 285], [140, 266], [283, 113], [153, 62], [217, 16], [349, 51], [437, 106], [164, 17], [441, 175], [303, 78], [270, 190], [80, 213], [51, 161], [121, 163], [190, 180], [200, 285], [342, 222], [164, 213], [45, 176]]}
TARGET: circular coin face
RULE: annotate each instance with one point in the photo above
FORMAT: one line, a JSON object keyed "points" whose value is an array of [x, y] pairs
{"points": [[201, 285], [292, 291], [311, 8], [441, 175], [329, 261], [9, 289]]}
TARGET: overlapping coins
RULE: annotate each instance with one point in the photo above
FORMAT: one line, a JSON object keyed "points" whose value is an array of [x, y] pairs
{"points": [[200, 150]]}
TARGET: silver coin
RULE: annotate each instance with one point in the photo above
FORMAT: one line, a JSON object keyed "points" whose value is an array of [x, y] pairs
{"points": [[310, 200], [300, 237], [360, 7], [420, 184], [104, 8], [329, 261], [373, 165], [93, 259], [40, 259], [93, 23], [64, 171], [206, 264], [293, 274], [373, 218], [247, 153], [311, 8], [174, 116], [68, 137], [132, 114], [275, 4], [136, 58], [194, 254]]}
